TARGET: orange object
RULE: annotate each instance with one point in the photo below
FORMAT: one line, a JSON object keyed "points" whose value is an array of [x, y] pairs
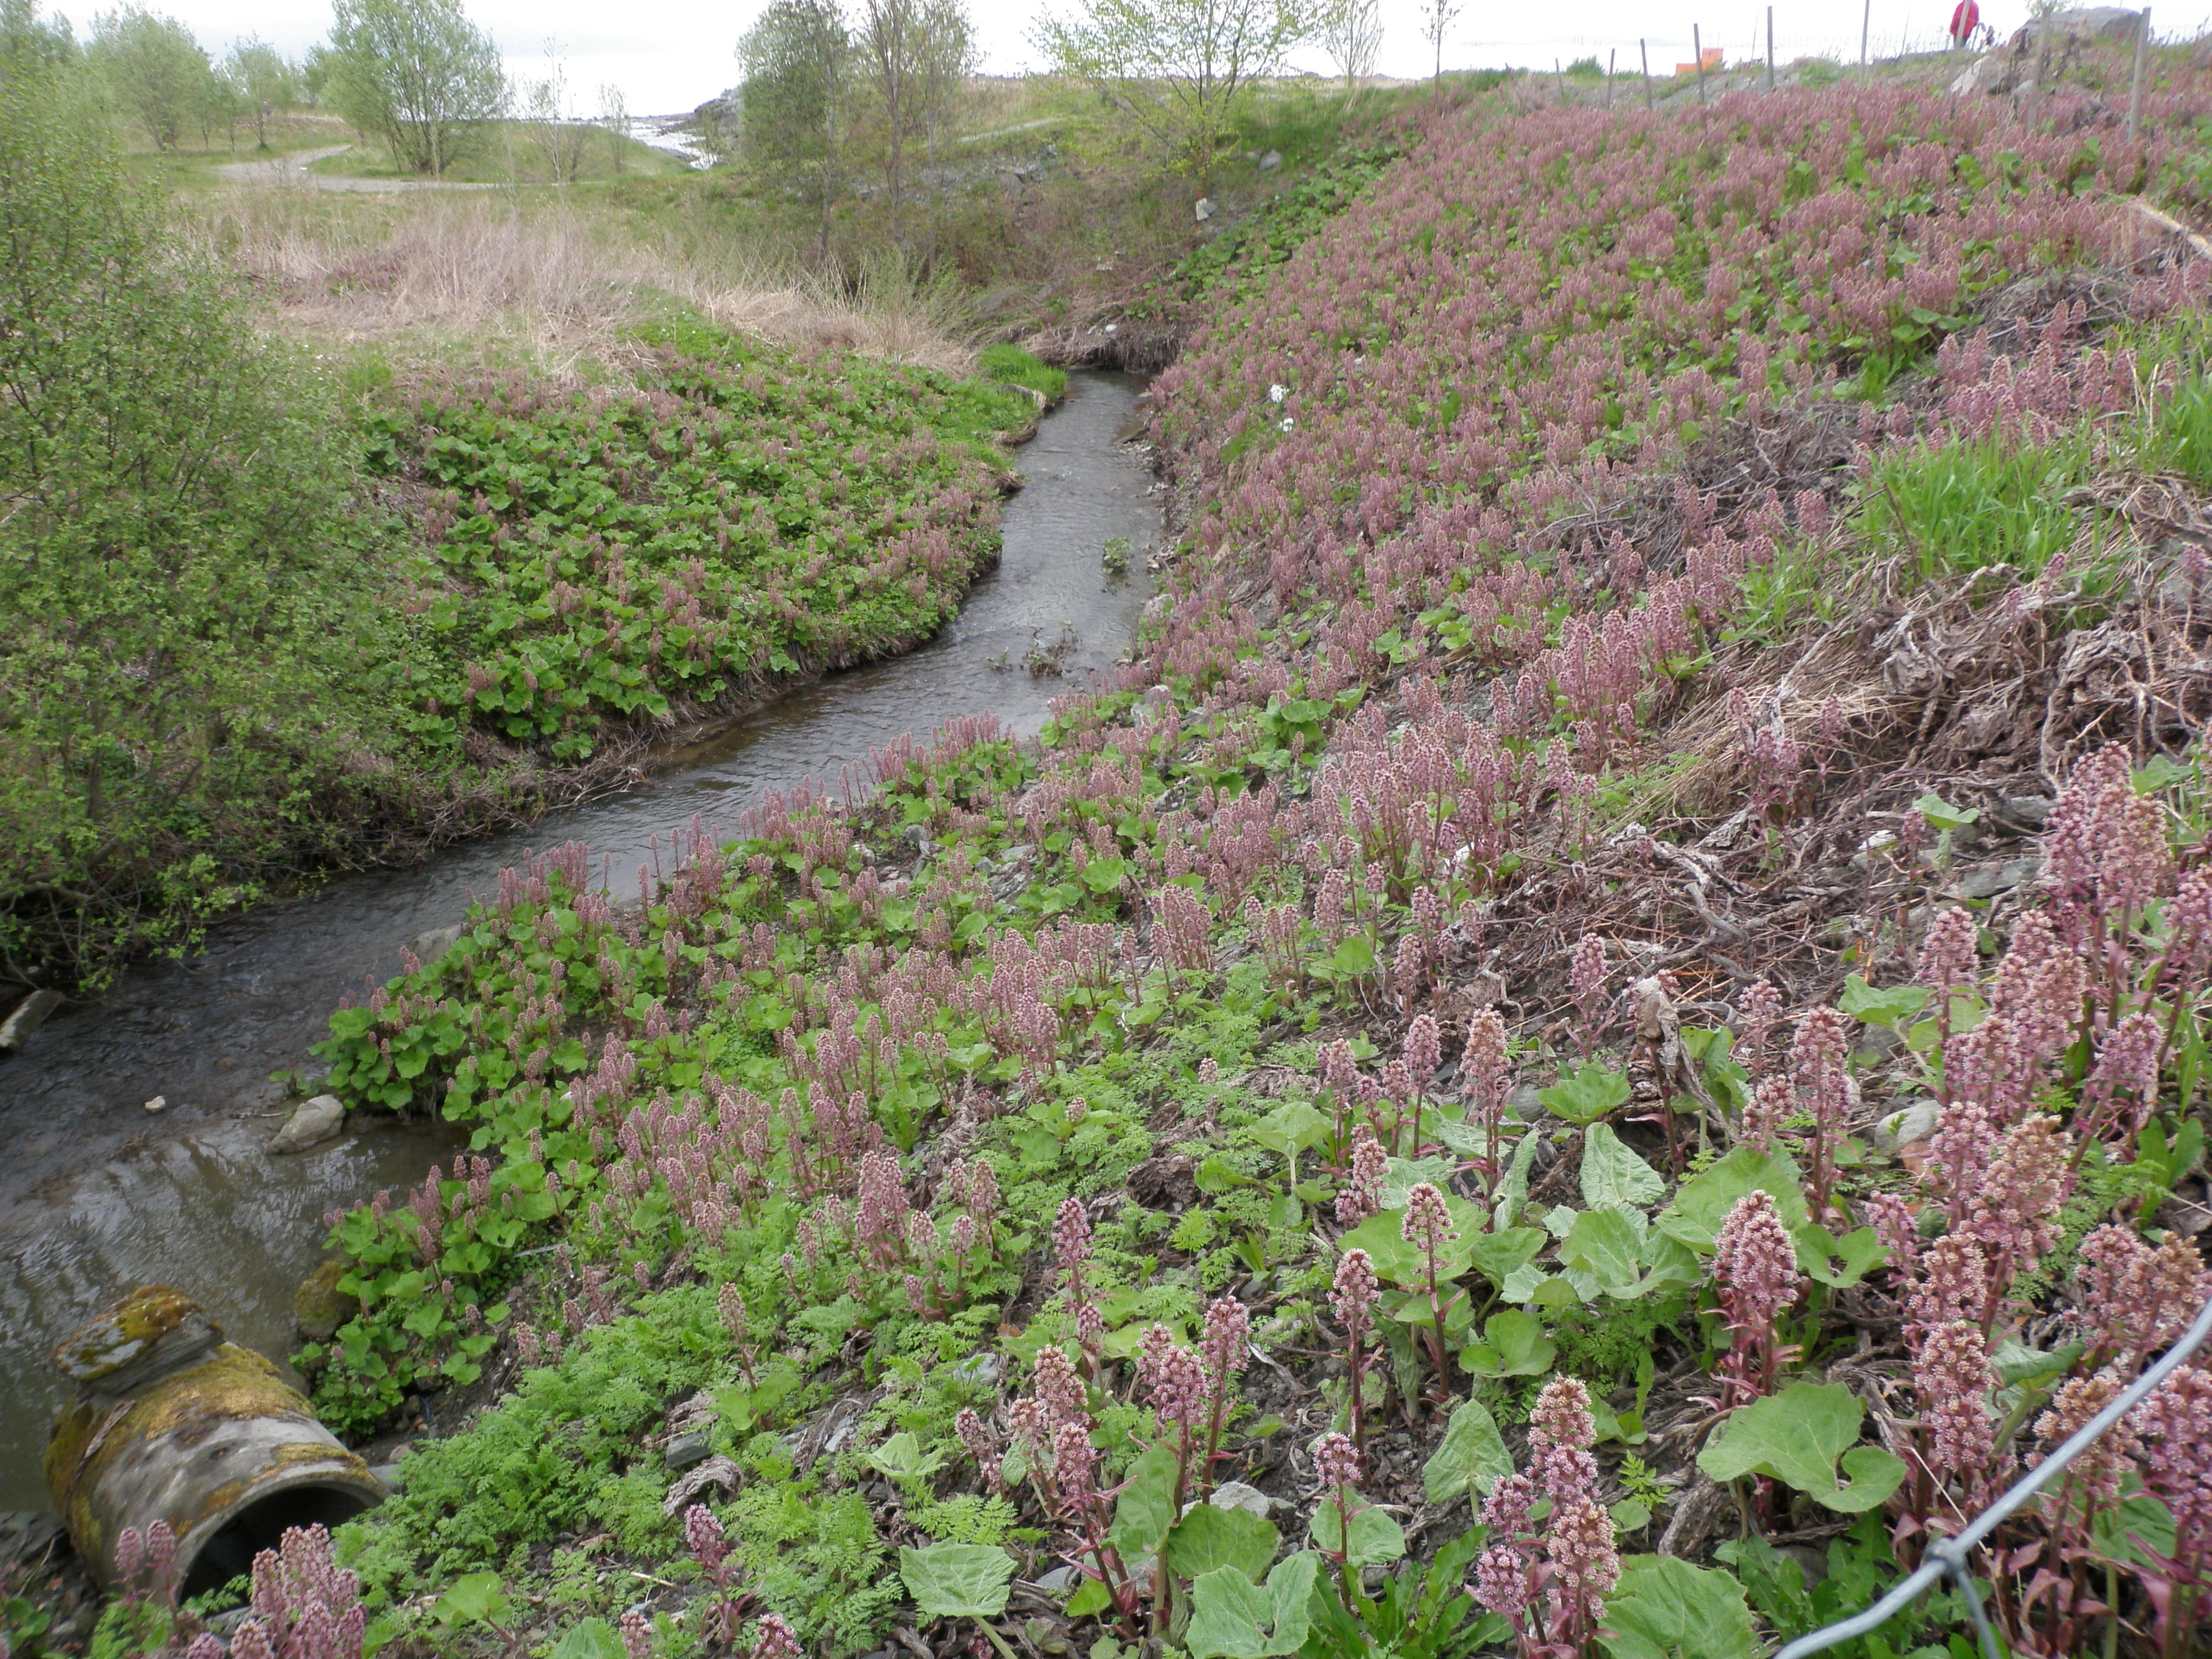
{"points": [[1712, 61]]}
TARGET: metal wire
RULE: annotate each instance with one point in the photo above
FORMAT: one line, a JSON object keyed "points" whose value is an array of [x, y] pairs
{"points": [[1947, 1557]]}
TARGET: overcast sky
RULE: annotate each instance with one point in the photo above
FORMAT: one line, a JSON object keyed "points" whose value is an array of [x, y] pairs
{"points": [[670, 55]]}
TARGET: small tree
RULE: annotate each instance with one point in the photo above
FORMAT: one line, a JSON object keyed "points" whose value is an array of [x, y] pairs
{"points": [[26, 42], [1352, 33], [154, 71], [948, 57], [264, 81], [1437, 18], [419, 75], [791, 100], [1179, 68], [558, 140], [614, 117]]}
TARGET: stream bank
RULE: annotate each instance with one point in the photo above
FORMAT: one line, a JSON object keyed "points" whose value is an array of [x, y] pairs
{"points": [[98, 1195]]}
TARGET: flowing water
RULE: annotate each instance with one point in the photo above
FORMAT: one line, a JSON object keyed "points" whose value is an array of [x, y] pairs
{"points": [[98, 1195]]}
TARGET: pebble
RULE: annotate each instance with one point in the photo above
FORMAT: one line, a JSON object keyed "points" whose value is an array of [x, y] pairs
{"points": [[158, 1104]]}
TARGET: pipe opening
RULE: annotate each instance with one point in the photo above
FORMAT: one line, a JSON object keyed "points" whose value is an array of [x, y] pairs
{"points": [[260, 1526]]}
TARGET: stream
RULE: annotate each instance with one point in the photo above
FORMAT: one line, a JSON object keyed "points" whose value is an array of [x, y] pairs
{"points": [[98, 1195]]}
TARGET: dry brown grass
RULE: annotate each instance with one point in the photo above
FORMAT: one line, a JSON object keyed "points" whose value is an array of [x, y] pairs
{"points": [[444, 275]]}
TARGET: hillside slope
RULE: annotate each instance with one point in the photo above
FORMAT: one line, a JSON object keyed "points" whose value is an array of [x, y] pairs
{"points": [[1640, 919]]}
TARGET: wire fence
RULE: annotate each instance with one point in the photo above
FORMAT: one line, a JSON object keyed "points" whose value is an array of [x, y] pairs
{"points": [[1947, 1558], [1843, 36]]}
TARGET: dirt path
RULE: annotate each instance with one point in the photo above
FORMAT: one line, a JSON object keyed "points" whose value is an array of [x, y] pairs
{"points": [[292, 169]]}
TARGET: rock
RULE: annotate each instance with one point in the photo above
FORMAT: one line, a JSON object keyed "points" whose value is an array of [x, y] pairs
{"points": [[1236, 1495], [1900, 1129], [983, 1368], [391, 1473], [429, 947], [314, 1122], [158, 1104], [29, 1014], [717, 1471], [319, 1307], [1987, 880], [1204, 209], [686, 1449], [2027, 812], [1059, 1581], [1271, 160], [1524, 1105], [2087, 23]]}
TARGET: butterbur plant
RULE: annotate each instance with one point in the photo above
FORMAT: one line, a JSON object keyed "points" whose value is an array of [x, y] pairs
{"points": [[1427, 1226], [703, 1535], [305, 1605], [1351, 1298], [1550, 1585], [1756, 1278]]}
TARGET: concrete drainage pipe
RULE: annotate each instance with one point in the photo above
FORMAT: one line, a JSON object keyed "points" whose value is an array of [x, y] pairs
{"points": [[170, 1422]]}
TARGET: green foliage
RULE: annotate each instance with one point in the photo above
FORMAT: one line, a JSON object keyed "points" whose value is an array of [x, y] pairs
{"points": [[1210, 1536], [419, 75], [155, 72], [1238, 263], [957, 1581], [1796, 1437], [1966, 503], [794, 60], [199, 630], [1860, 1570], [2179, 436], [598, 564], [1424, 1611], [1470, 1459], [1665, 1608], [1232, 1618], [1016, 367]]}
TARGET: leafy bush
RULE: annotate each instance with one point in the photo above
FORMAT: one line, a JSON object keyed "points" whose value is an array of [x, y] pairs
{"points": [[196, 624]]}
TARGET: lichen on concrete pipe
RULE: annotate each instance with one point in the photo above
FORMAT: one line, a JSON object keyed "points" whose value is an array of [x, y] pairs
{"points": [[170, 1422]]}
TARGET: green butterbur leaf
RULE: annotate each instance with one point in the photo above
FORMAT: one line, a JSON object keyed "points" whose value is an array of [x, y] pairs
{"points": [[1586, 1095], [957, 1581], [1796, 1436], [1232, 1617], [1208, 1538], [1471, 1458], [1375, 1537], [1146, 1509], [1612, 1175], [1514, 1344], [476, 1598], [1665, 1608]]}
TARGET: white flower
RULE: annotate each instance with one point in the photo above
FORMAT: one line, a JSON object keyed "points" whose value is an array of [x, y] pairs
{"points": [[1288, 423], [1277, 393]]}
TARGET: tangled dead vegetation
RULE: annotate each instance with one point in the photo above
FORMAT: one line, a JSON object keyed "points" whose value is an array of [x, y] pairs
{"points": [[477, 276]]}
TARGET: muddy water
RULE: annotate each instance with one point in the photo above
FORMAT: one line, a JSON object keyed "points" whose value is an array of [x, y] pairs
{"points": [[97, 1195]]}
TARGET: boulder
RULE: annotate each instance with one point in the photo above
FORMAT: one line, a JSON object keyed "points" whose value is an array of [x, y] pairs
{"points": [[2087, 23], [314, 1122], [319, 1307], [29, 1014], [429, 947]]}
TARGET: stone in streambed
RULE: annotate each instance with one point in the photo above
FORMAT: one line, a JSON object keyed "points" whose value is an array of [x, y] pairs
{"points": [[29, 1014], [317, 1120], [319, 1306]]}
